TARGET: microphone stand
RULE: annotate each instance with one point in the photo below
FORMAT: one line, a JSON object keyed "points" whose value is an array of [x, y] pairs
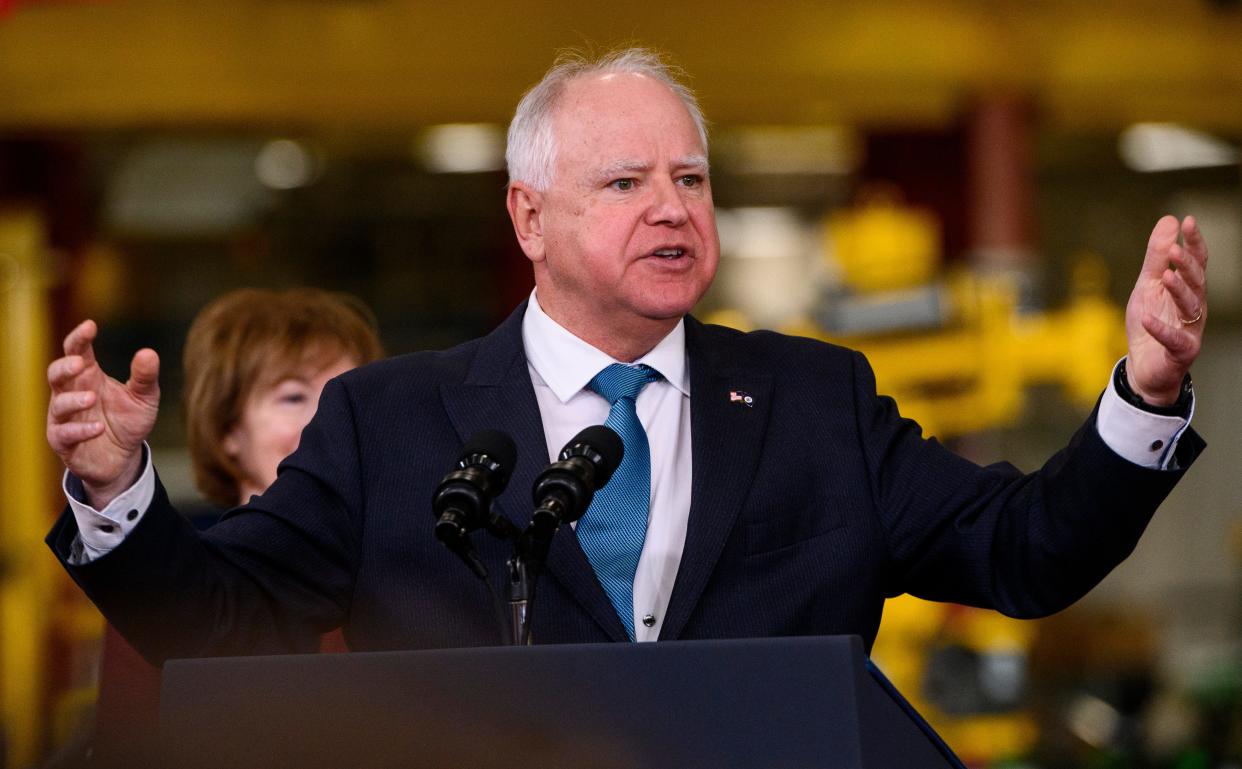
{"points": [[530, 553], [521, 600]]}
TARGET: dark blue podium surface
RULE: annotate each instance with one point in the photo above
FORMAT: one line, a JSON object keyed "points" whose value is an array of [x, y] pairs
{"points": [[772, 703]]}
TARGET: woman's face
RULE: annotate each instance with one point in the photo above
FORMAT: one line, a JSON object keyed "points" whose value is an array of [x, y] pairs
{"points": [[271, 424]]}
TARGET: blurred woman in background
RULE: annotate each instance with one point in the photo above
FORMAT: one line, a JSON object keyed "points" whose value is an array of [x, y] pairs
{"points": [[255, 363]]}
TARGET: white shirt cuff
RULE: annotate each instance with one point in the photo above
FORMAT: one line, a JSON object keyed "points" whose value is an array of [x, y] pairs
{"points": [[101, 530], [1146, 439]]}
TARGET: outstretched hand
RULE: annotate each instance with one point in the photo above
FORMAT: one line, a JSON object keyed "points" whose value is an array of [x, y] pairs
{"points": [[1167, 311], [97, 424]]}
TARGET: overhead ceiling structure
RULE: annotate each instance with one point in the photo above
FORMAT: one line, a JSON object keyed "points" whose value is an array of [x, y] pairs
{"points": [[343, 64]]}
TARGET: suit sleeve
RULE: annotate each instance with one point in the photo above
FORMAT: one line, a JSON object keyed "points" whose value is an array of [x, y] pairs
{"points": [[1026, 544], [270, 577]]}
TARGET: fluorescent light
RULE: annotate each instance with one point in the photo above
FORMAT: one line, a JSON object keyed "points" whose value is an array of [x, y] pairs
{"points": [[1150, 147], [462, 148], [283, 164]]}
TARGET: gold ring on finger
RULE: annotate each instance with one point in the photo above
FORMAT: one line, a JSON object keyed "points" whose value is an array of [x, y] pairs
{"points": [[1191, 321]]}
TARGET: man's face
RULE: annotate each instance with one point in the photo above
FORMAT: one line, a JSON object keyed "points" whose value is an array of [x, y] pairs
{"points": [[629, 238]]}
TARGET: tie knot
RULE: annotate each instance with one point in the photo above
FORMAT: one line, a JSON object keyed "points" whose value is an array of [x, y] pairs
{"points": [[619, 381]]}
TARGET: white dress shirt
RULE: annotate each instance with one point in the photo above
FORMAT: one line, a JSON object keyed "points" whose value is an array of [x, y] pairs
{"points": [[560, 366]]}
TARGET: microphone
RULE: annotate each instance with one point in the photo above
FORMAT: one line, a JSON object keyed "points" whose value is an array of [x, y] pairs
{"points": [[463, 500], [564, 490]]}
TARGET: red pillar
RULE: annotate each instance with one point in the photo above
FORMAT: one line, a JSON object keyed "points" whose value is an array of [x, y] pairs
{"points": [[1000, 184]]}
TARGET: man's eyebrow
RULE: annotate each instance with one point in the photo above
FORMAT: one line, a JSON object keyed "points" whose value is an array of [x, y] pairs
{"points": [[692, 161], [623, 167]]}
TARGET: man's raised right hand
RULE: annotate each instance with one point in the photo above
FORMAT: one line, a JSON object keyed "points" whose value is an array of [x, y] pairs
{"points": [[95, 423]]}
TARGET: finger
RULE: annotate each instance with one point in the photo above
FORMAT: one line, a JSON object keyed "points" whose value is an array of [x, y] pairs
{"points": [[60, 372], [144, 374], [1189, 302], [1192, 236], [64, 436], [1188, 267], [1163, 235], [65, 405], [1181, 345], [81, 341]]}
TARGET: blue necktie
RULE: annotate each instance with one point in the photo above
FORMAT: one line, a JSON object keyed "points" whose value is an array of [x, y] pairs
{"points": [[613, 529]]}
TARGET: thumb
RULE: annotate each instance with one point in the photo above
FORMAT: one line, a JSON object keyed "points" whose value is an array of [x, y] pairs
{"points": [[144, 374]]}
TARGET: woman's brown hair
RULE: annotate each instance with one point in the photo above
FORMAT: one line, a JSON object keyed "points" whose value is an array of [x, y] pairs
{"points": [[251, 339]]}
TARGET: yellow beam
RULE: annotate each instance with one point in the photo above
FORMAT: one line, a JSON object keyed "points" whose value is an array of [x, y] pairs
{"points": [[26, 587], [386, 63], [973, 374]]}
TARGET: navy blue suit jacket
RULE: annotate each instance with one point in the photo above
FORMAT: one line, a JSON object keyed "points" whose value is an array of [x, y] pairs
{"points": [[809, 506]]}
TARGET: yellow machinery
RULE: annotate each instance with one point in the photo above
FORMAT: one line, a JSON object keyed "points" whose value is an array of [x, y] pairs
{"points": [[915, 636], [971, 372]]}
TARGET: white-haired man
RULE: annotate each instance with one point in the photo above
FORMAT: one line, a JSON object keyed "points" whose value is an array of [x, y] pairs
{"points": [[766, 489]]}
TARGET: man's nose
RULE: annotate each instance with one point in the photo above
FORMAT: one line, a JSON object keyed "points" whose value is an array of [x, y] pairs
{"points": [[667, 205]]}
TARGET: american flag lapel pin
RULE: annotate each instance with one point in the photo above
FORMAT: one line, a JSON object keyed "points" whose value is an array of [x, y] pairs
{"points": [[743, 398]]}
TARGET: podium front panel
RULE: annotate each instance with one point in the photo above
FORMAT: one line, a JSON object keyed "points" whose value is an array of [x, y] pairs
{"points": [[773, 703]]}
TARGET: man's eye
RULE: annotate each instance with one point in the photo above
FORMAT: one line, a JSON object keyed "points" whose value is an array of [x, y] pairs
{"points": [[623, 185], [293, 398], [690, 180]]}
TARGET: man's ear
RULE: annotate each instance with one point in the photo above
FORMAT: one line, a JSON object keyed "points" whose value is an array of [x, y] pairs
{"points": [[526, 210]]}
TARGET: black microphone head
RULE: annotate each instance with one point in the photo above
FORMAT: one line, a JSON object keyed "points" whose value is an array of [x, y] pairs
{"points": [[602, 446], [493, 449]]}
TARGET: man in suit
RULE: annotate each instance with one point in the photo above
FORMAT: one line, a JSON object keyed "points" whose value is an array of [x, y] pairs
{"points": [[770, 491]]}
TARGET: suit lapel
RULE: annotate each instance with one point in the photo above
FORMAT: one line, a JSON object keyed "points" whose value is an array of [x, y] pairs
{"points": [[497, 394], [726, 441]]}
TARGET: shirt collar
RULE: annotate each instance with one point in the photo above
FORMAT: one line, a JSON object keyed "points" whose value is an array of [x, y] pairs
{"points": [[566, 363]]}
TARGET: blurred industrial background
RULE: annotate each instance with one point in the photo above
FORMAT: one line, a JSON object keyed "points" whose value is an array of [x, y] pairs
{"points": [[961, 188]]}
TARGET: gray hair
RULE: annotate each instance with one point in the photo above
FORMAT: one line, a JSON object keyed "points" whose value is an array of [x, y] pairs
{"points": [[531, 150]]}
